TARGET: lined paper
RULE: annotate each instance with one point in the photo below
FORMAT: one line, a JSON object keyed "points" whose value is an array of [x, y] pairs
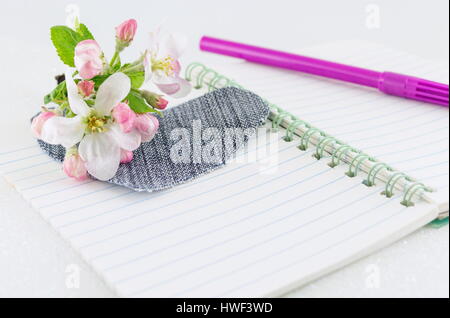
{"points": [[389, 128], [247, 229]]}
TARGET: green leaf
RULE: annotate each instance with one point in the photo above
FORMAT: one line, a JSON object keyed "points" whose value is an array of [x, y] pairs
{"points": [[84, 32], [58, 95], [60, 92], [138, 104], [98, 80], [65, 40], [47, 99], [137, 79]]}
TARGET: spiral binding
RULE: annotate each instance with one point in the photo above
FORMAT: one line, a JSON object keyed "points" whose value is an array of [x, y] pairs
{"points": [[204, 76]]}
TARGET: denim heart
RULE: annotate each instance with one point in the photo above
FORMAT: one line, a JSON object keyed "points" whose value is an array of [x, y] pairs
{"points": [[193, 139]]}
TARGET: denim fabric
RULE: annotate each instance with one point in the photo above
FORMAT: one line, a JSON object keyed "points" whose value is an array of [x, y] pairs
{"points": [[152, 167]]}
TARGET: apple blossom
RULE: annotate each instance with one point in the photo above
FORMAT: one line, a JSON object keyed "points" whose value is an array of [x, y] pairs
{"points": [[86, 88], [88, 59], [38, 122], [126, 156], [124, 116], [162, 66], [147, 125], [75, 167], [126, 31], [155, 100], [100, 139]]}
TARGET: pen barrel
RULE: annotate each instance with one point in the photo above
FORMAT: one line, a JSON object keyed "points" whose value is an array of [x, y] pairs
{"points": [[291, 61]]}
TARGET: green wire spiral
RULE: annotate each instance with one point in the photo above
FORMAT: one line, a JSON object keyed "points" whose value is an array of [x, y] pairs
{"points": [[356, 163], [291, 129], [340, 148], [372, 174], [304, 143], [322, 145]]}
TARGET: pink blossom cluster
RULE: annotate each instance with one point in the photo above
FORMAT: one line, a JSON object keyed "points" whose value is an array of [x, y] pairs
{"points": [[103, 130]]}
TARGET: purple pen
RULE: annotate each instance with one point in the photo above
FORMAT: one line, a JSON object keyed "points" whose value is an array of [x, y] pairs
{"points": [[387, 82]]}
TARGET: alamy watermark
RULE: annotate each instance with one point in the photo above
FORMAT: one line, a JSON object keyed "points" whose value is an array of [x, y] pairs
{"points": [[373, 278], [73, 276], [72, 15], [211, 145], [373, 16]]}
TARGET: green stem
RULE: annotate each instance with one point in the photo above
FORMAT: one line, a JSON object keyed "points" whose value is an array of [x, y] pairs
{"points": [[132, 68], [114, 58]]}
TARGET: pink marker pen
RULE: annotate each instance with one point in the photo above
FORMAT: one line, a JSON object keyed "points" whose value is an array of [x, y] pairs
{"points": [[387, 82]]}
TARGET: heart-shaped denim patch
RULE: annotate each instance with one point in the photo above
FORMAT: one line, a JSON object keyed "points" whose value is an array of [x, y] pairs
{"points": [[193, 139]]}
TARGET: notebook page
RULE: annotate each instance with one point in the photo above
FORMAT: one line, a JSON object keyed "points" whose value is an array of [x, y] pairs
{"points": [[235, 232], [389, 128], [245, 230]]}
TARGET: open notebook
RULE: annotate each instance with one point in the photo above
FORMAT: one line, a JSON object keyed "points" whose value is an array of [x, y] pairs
{"points": [[252, 228]]}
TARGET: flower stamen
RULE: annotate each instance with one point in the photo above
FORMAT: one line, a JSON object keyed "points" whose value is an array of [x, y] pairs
{"points": [[96, 124], [167, 65]]}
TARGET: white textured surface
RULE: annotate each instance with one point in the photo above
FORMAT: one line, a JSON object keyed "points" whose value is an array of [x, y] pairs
{"points": [[33, 259]]}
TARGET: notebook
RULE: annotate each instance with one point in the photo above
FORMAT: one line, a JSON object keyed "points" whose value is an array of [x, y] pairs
{"points": [[276, 217]]}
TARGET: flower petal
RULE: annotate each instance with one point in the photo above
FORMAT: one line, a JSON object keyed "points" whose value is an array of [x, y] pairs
{"points": [[184, 88], [169, 88], [76, 102], [154, 39], [148, 66], [88, 59], [63, 131], [101, 155], [174, 86], [128, 141], [173, 45], [113, 90], [89, 69], [147, 125], [87, 49]]}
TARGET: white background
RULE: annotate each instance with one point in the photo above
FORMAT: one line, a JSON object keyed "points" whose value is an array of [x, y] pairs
{"points": [[34, 260]]}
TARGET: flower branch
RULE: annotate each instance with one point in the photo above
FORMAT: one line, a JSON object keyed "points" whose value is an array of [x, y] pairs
{"points": [[102, 114]]}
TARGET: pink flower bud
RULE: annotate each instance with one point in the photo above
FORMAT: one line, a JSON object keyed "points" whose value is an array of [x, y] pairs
{"points": [[162, 103], [39, 121], [147, 125], [124, 116], [74, 167], [155, 100], [126, 30], [126, 156], [88, 59], [86, 88]]}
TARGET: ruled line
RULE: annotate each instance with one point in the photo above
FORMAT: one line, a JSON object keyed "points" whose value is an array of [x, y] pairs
{"points": [[210, 216], [274, 238], [234, 238], [18, 149], [261, 243], [64, 189], [38, 175], [164, 206], [28, 167], [25, 158], [77, 197], [320, 252], [137, 228], [169, 190], [45, 183]]}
